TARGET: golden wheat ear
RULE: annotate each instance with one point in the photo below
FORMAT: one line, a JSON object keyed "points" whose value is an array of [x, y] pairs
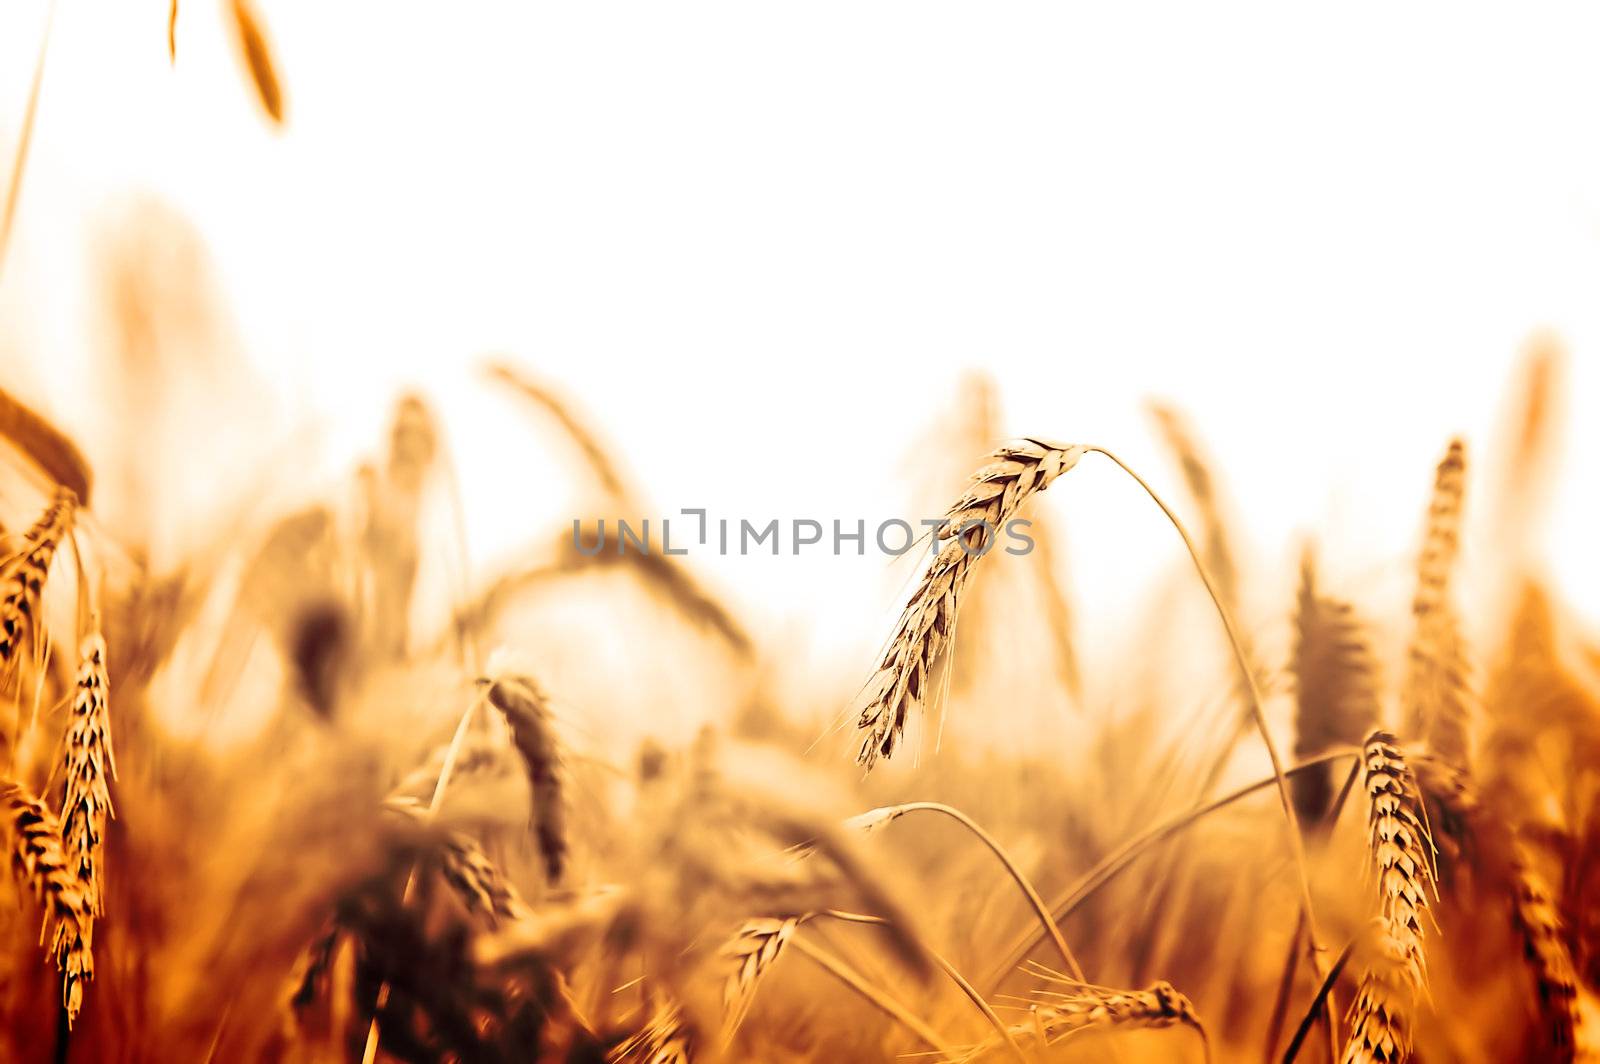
{"points": [[1059, 1014], [1401, 866], [89, 765], [904, 679], [1436, 692], [42, 864], [1336, 690], [23, 576]]}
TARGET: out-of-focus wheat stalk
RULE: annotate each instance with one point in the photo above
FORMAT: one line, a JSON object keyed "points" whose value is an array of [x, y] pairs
{"points": [[1538, 922], [19, 161], [257, 54], [523, 704], [1436, 683], [50, 449], [1336, 689]]}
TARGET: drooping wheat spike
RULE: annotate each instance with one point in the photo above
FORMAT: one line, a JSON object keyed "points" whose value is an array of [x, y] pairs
{"points": [[1436, 683], [752, 951], [1336, 689], [1402, 862], [1056, 1014], [526, 710], [927, 626], [23, 574], [49, 448], [1539, 925], [40, 862], [90, 765]]}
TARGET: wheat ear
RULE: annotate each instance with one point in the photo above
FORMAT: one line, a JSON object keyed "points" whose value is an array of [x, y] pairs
{"points": [[1059, 1014], [89, 766], [23, 574], [526, 709], [905, 675], [40, 862], [1402, 863], [1336, 689], [1537, 920], [1436, 680]]}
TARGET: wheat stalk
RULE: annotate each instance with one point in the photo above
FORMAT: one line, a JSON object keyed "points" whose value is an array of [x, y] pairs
{"points": [[1436, 681], [40, 861], [1402, 862], [526, 709], [89, 765], [1119, 859], [876, 818]]}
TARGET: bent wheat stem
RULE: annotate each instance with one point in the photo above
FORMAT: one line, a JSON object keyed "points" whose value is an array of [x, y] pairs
{"points": [[1111, 865], [1247, 678], [879, 817]]}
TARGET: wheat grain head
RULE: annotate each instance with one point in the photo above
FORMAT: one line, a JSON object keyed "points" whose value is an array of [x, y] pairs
{"points": [[926, 629]]}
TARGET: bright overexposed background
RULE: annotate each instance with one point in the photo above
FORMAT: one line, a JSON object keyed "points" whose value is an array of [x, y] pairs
{"points": [[759, 244]]}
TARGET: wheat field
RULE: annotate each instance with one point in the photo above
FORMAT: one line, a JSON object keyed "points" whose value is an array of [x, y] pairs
{"points": [[274, 790], [261, 807]]}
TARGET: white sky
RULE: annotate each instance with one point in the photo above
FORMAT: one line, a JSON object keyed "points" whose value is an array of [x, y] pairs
{"points": [[760, 243]]}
